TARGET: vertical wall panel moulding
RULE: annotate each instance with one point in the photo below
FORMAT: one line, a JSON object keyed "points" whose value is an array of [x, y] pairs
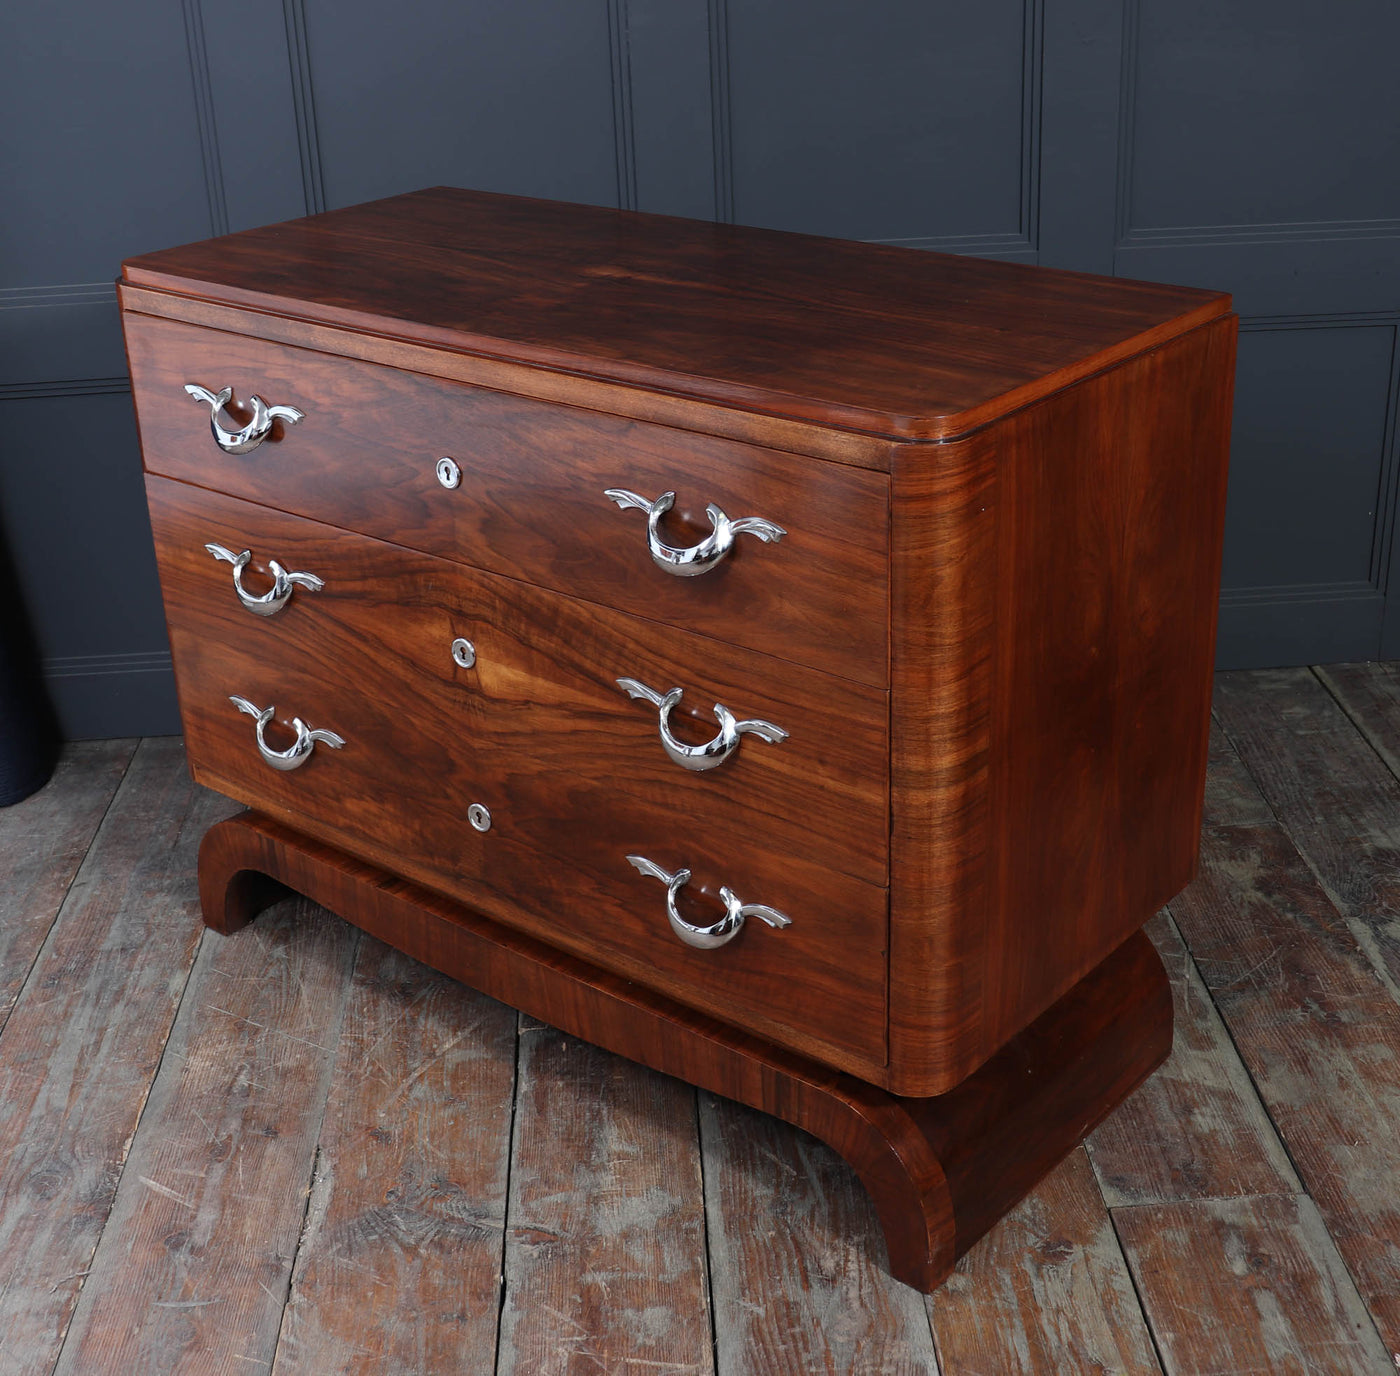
{"points": [[304, 102], [1127, 114], [620, 50], [1382, 552], [1385, 567], [204, 116], [1388, 480], [1032, 84], [1081, 103], [720, 112]]}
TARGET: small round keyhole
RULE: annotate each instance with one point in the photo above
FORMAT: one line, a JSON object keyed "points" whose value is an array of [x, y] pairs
{"points": [[448, 474], [479, 817], [463, 653]]}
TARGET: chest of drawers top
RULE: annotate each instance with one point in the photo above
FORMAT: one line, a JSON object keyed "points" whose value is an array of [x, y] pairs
{"points": [[949, 527], [874, 341]]}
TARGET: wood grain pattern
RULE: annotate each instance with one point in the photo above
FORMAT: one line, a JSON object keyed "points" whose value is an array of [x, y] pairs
{"points": [[42, 842], [605, 1251], [1047, 1290], [800, 1287], [940, 1171], [539, 719], [1264, 1268], [616, 399], [1059, 705], [423, 746], [967, 858], [1196, 1129], [192, 1274], [865, 337], [407, 1210], [531, 504], [1316, 1026], [84, 1040]]}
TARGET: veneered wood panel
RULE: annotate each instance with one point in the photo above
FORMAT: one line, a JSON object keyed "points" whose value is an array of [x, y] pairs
{"points": [[420, 749], [538, 722], [891, 341], [531, 500], [1053, 589]]}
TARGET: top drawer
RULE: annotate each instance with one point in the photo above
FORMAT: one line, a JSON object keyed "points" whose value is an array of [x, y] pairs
{"points": [[530, 499]]}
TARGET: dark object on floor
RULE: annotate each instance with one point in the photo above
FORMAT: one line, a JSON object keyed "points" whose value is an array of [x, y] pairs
{"points": [[28, 737]]}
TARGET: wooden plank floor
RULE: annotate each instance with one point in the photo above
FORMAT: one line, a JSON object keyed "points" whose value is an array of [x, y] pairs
{"points": [[296, 1151]]}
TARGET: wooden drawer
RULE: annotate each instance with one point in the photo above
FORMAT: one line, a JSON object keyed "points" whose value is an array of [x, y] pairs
{"points": [[571, 769], [530, 502]]}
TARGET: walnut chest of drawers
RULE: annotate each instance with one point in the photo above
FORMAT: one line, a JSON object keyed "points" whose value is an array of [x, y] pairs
{"points": [[781, 660]]}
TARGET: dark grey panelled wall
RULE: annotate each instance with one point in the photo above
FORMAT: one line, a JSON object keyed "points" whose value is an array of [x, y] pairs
{"points": [[1252, 145]]}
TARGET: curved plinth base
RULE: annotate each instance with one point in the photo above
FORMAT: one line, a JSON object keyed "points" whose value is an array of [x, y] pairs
{"points": [[941, 1171]]}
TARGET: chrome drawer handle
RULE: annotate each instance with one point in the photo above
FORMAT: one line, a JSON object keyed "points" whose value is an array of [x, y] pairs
{"points": [[713, 752], [240, 441], [701, 558], [296, 754], [726, 929], [283, 583]]}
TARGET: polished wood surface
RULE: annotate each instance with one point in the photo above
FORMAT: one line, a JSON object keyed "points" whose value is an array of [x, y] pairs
{"points": [[570, 768], [940, 1171], [530, 503], [852, 447], [539, 719], [874, 338], [1054, 592], [990, 625]]}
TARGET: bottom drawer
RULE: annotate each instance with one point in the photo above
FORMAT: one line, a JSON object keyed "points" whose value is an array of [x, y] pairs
{"points": [[401, 790]]}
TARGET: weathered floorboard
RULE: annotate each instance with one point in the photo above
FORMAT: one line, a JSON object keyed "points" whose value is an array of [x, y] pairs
{"points": [[1239, 1286], [1314, 1023], [1195, 1130], [1330, 790], [797, 1262], [400, 1266], [605, 1238], [1370, 695], [193, 1268], [82, 1045], [1046, 1291], [42, 843]]}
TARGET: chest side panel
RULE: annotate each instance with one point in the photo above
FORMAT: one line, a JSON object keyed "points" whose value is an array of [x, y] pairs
{"points": [[1055, 581]]}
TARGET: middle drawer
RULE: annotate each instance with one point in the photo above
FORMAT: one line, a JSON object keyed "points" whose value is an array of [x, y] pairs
{"points": [[539, 706]]}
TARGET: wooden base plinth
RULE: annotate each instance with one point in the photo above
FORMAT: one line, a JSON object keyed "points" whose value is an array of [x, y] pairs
{"points": [[940, 1171]]}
